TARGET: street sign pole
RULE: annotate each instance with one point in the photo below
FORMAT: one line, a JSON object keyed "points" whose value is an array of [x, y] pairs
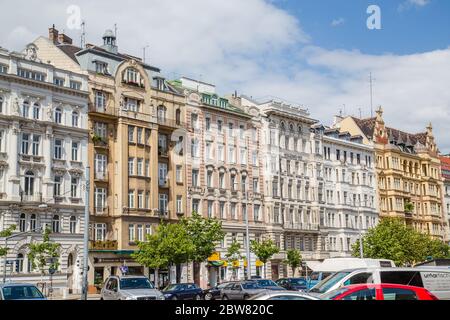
{"points": [[86, 237]]}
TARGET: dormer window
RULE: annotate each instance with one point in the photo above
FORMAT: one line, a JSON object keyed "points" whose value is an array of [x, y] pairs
{"points": [[132, 76], [214, 101], [58, 81], [101, 67]]}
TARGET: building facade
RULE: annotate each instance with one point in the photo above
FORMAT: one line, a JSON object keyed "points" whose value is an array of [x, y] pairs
{"points": [[445, 169], [133, 113], [349, 191], [408, 169], [44, 152]]}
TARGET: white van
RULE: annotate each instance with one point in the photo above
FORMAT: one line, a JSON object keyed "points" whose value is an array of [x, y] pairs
{"points": [[332, 265], [435, 280]]}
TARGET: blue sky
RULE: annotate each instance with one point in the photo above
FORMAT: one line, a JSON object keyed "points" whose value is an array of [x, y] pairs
{"points": [[411, 30], [317, 53]]}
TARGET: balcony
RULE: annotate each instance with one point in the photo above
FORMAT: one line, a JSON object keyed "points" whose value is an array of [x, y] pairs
{"points": [[171, 123], [101, 175], [103, 245], [195, 189], [101, 211], [107, 110], [29, 159], [164, 183], [300, 226], [36, 197]]}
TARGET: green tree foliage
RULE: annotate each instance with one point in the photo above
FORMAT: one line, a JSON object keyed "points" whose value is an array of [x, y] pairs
{"points": [[392, 239], [294, 259], [409, 207], [4, 234], [264, 250], [44, 255], [233, 252]]}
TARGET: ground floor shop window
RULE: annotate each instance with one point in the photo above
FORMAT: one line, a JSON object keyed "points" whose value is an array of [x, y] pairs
{"points": [[98, 276]]}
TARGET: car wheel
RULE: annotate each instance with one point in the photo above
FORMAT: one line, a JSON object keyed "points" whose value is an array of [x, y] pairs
{"points": [[208, 296], [101, 298], [225, 298], [198, 297]]}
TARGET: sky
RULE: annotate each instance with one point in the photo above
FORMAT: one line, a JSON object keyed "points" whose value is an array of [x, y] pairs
{"points": [[318, 54]]}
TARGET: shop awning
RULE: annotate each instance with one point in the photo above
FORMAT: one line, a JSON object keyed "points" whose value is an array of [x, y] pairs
{"points": [[216, 263], [214, 257]]}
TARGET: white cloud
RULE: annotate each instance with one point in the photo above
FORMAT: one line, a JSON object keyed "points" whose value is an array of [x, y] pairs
{"points": [[255, 48], [337, 22], [407, 4]]}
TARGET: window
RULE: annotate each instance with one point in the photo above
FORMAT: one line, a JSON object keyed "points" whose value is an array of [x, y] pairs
{"points": [[233, 211], [219, 126], [22, 223], [147, 168], [130, 166], [100, 101], [75, 151], [130, 134], [29, 183], [25, 143], [31, 75], [19, 267], [163, 200], [194, 120], [131, 75], [131, 105], [209, 174], [139, 135], [36, 111], [230, 129], [3, 68], [256, 209], [222, 209], [1, 100], [57, 186], [75, 117], [179, 204], [99, 199], [208, 124], [99, 231], [56, 224], [58, 149], [399, 294], [195, 178], [58, 81], [32, 222], [100, 164], [140, 199], [25, 109], [241, 131], [162, 113], [195, 205], [162, 170], [210, 209], [58, 115], [73, 224], [255, 158], [140, 162], [220, 155], [131, 199], [140, 232], [35, 146], [75, 85], [74, 188], [194, 148], [255, 185], [179, 174], [100, 129], [148, 229], [101, 67], [221, 180], [131, 233], [364, 294]]}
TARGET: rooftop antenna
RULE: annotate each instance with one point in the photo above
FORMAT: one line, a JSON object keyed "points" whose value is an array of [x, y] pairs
{"points": [[360, 115], [371, 80], [143, 52], [83, 34]]}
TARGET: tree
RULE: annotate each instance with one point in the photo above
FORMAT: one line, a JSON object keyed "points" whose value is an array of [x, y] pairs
{"points": [[409, 207], [294, 260], [234, 254], [169, 246], [392, 239], [204, 233], [264, 251], [45, 255], [4, 234]]}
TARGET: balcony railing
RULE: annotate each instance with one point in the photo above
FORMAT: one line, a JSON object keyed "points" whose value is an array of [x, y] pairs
{"points": [[171, 123], [301, 226], [101, 175], [103, 245], [36, 197]]}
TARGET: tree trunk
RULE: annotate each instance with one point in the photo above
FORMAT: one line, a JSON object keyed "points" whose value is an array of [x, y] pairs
{"points": [[178, 272], [196, 267], [265, 271]]}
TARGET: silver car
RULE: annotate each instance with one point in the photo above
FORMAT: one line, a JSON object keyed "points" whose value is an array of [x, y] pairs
{"points": [[283, 295], [20, 291], [129, 288], [241, 290]]}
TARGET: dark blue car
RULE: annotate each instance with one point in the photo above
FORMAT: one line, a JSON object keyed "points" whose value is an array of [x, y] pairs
{"points": [[183, 291]]}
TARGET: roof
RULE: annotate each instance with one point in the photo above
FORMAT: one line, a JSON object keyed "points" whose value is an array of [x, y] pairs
{"points": [[367, 126], [70, 51]]}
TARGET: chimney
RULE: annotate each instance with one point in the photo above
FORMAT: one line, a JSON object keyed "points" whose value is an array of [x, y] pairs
{"points": [[64, 39], [53, 34]]}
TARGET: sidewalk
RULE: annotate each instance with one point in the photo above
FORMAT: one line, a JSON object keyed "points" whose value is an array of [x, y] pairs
{"points": [[74, 297]]}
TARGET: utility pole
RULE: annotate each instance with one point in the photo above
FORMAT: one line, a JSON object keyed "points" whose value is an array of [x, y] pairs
{"points": [[86, 237], [143, 53], [247, 240], [361, 249], [371, 94]]}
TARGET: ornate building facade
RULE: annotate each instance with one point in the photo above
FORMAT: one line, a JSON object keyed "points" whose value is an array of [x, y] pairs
{"points": [[445, 170], [44, 152], [409, 179]]}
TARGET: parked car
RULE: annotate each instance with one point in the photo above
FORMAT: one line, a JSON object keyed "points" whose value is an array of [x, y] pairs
{"points": [[368, 292], [183, 291], [435, 280], [214, 292], [283, 295], [129, 288], [20, 291], [293, 284], [241, 290], [268, 284]]}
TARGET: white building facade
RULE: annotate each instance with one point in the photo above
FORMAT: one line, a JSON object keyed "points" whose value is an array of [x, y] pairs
{"points": [[43, 152], [349, 191]]}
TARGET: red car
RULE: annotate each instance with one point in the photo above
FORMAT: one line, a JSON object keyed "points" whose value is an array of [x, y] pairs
{"points": [[379, 292]]}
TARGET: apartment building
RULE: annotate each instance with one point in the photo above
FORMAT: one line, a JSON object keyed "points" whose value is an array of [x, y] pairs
{"points": [[224, 172], [43, 155], [133, 113], [349, 191], [445, 171], [409, 179]]}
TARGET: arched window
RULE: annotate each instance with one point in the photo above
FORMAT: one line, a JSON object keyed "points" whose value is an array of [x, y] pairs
{"points": [[22, 222], [36, 111], [162, 111], [283, 126], [19, 263], [300, 129], [55, 224], [291, 127], [178, 116], [70, 260], [73, 224], [75, 117], [25, 109], [58, 115], [32, 222], [29, 183]]}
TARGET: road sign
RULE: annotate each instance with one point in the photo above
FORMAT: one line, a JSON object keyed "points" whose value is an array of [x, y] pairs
{"points": [[124, 269], [52, 270]]}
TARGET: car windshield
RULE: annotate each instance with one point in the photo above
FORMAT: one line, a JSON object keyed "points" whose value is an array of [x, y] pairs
{"points": [[267, 283], [174, 287], [135, 283], [329, 282], [333, 294], [297, 281], [22, 293], [222, 285], [250, 285]]}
